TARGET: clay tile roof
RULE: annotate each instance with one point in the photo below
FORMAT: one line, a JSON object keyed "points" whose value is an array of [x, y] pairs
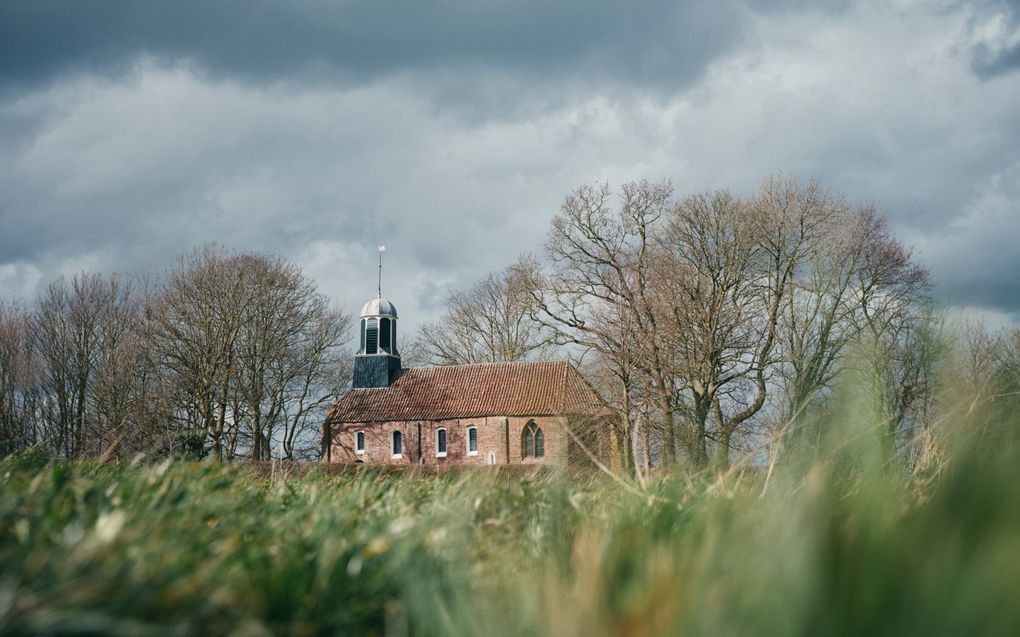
{"points": [[468, 391]]}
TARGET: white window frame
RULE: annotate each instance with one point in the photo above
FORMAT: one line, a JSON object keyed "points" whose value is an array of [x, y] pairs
{"points": [[361, 451], [533, 429], [442, 454], [393, 438], [467, 442]]}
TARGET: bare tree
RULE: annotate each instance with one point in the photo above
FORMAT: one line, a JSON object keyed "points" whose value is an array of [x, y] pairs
{"points": [[319, 370], [709, 279], [248, 347], [617, 373], [893, 315], [491, 322], [19, 379], [274, 320], [289, 344], [979, 396], [818, 313], [599, 279], [193, 328], [716, 307], [726, 268], [79, 330]]}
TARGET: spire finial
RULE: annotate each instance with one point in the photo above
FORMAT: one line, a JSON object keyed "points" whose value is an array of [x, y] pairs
{"points": [[381, 250]]}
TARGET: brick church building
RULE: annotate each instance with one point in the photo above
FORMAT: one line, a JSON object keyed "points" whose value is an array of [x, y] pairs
{"points": [[490, 413]]}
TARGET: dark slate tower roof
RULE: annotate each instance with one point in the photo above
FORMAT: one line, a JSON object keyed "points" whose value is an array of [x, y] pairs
{"points": [[466, 391]]}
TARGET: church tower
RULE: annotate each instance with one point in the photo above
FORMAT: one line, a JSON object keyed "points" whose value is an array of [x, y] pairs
{"points": [[377, 362]]}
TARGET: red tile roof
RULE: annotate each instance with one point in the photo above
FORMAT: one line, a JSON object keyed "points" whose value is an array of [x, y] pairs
{"points": [[471, 391]]}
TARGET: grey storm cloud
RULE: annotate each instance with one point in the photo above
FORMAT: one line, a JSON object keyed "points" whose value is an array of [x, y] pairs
{"points": [[644, 40], [995, 63], [990, 60], [131, 132]]}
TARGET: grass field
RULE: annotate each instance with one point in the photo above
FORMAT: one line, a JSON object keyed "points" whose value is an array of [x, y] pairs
{"points": [[844, 546]]}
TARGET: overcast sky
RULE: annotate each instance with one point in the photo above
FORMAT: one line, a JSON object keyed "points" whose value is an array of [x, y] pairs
{"points": [[451, 131]]}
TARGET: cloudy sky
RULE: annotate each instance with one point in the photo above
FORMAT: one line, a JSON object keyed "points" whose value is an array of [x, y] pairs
{"points": [[451, 130]]}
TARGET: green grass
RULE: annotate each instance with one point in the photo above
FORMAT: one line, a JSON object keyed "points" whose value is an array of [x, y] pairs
{"points": [[844, 546]]}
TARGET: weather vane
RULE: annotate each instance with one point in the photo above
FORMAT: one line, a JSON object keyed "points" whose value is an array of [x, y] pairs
{"points": [[381, 250]]}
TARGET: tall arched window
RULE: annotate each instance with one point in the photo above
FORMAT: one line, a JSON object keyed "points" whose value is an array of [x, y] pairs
{"points": [[359, 442], [440, 443], [396, 445], [472, 441], [532, 441]]}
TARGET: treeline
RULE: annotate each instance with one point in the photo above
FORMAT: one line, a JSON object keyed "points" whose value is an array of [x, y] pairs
{"points": [[227, 355], [716, 325], [720, 325]]}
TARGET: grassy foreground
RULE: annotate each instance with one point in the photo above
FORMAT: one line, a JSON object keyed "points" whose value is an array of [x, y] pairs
{"points": [[832, 548]]}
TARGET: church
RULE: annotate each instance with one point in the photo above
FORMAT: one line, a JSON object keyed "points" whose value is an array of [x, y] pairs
{"points": [[481, 414]]}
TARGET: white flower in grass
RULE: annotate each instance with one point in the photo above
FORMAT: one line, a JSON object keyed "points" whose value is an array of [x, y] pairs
{"points": [[108, 525], [400, 525]]}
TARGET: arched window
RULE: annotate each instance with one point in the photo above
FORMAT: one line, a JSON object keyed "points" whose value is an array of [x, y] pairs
{"points": [[532, 441], [472, 441], [359, 442], [396, 446], [363, 321], [384, 335], [372, 336], [440, 443]]}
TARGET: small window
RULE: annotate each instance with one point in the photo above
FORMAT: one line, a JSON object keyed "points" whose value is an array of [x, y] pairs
{"points": [[472, 441], [359, 442], [440, 443], [397, 446], [532, 442]]}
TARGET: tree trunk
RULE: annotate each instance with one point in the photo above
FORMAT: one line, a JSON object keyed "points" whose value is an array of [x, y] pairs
{"points": [[698, 446], [636, 447], [722, 453]]}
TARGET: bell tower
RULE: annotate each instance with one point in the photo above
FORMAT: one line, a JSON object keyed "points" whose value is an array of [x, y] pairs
{"points": [[377, 362]]}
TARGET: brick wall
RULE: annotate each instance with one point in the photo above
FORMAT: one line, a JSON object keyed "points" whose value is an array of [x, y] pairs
{"points": [[378, 440], [419, 441], [553, 433]]}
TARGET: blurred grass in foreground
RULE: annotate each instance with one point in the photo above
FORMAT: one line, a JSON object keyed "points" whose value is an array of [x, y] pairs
{"points": [[843, 545]]}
